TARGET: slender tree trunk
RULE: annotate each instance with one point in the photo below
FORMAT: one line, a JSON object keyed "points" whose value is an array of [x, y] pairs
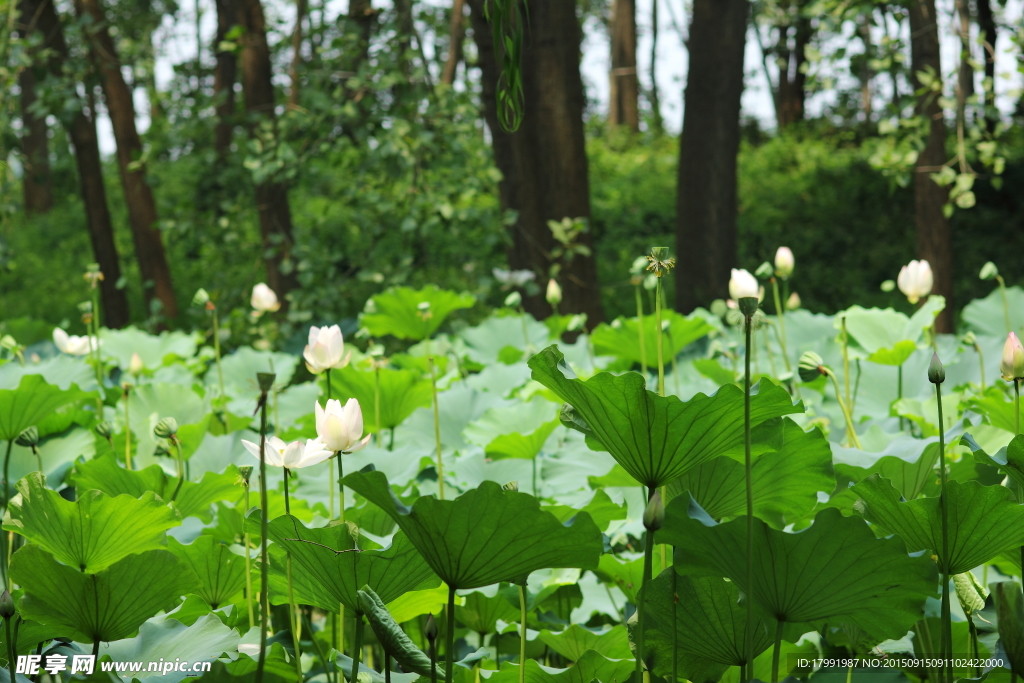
{"points": [[456, 33], [987, 25], [35, 183], [300, 16], [866, 73], [271, 195], [657, 123], [706, 199], [544, 163], [224, 77], [149, 247], [965, 76], [934, 237], [792, 79], [82, 131], [624, 86]]}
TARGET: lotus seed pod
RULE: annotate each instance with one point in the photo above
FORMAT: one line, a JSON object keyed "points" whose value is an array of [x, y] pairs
{"points": [[104, 429], [29, 438], [265, 380], [511, 486], [654, 514], [936, 373], [989, 271], [6, 605], [810, 367], [166, 428], [200, 298], [748, 305], [764, 270], [245, 473]]}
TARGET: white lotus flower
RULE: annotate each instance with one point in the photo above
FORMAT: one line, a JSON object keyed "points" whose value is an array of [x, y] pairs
{"points": [[553, 293], [784, 262], [915, 280], [264, 300], [340, 429], [326, 349], [74, 345], [292, 455], [742, 285], [513, 278], [1011, 365], [136, 366]]}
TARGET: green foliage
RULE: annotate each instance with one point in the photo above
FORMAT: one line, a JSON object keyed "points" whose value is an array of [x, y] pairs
{"points": [[411, 314], [30, 403]]}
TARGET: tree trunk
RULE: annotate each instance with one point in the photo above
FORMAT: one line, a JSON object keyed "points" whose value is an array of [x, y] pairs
{"points": [[82, 131], [965, 76], [987, 25], [456, 33], [35, 151], [142, 216], [706, 194], [866, 73], [624, 87], [657, 123], [300, 16], [792, 79], [224, 77], [544, 163], [934, 238], [271, 195]]}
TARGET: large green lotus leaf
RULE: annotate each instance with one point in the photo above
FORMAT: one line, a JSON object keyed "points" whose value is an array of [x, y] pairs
{"points": [[221, 572], [194, 499], [150, 403], [519, 446], [1009, 459], [601, 509], [574, 641], [481, 613], [105, 606], [786, 479], [30, 403], [1010, 612], [907, 462], [62, 371], [997, 407], [986, 316], [154, 350], [835, 570], [92, 533], [487, 534], [401, 393], [518, 431], [591, 666], [888, 336], [626, 574], [709, 622], [167, 639], [240, 370], [622, 338], [396, 311], [657, 439], [497, 332], [391, 572], [983, 520]]}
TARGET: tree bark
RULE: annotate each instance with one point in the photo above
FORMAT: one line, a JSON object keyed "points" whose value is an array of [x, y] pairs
{"points": [[706, 194], [271, 195], [792, 79], [657, 123], [142, 215], [224, 77], [544, 163], [300, 16], [456, 33], [934, 237], [624, 86], [987, 25], [82, 131], [35, 183]]}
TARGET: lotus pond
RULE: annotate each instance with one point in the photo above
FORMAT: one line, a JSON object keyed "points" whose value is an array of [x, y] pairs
{"points": [[506, 494]]}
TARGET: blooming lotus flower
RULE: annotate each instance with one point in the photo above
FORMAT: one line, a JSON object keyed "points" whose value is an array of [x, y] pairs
{"points": [[264, 300], [784, 262], [326, 349], [915, 280], [1012, 364], [74, 345], [742, 285], [513, 278], [554, 292], [340, 429], [292, 455]]}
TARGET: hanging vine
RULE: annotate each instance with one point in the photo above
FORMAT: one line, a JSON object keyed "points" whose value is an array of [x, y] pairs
{"points": [[506, 19]]}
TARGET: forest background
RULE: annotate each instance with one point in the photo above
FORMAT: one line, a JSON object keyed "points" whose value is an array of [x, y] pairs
{"points": [[333, 149]]}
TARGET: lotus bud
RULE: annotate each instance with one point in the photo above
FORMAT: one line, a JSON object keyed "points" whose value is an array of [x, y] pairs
{"points": [[6, 605], [654, 513], [887, 285], [511, 486], [136, 366], [430, 629], [764, 270], [263, 299], [244, 473], [1012, 363], [265, 380], [915, 280], [989, 271], [793, 302], [553, 293], [200, 298], [513, 300], [29, 438], [742, 284], [719, 308], [810, 367], [166, 428], [104, 429], [936, 373], [784, 262]]}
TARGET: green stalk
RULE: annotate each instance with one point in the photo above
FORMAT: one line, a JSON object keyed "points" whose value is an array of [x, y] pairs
{"points": [[330, 461], [675, 633], [846, 365], [181, 467], [648, 571], [341, 504], [899, 389], [522, 633], [437, 433], [449, 650], [974, 643], [216, 352], [782, 323], [640, 328], [776, 651], [10, 648], [376, 401], [316, 646], [981, 365], [1016, 406], [947, 626], [749, 635], [659, 334], [292, 609], [264, 509], [358, 649], [7, 463], [127, 431], [1006, 303], [851, 433], [768, 350], [248, 566]]}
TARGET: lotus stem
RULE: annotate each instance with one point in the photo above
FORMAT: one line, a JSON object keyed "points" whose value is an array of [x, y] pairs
{"points": [[1016, 406], [640, 329], [293, 614], [357, 650], [316, 646], [10, 648], [768, 350], [776, 651], [248, 565], [330, 461], [341, 506], [7, 463], [1006, 302], [749, 635], [648, 571], [782, 323], [851, 433], [376, 402], [216, 353], [899, 389], [437, 433], [522, 632], [974, 643], [533, 484], [181, 467], [449, 650], [659, 333], [846, 365], [127, 430], [947, 626], [387, 667], [675, 633], [264, 511]]}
